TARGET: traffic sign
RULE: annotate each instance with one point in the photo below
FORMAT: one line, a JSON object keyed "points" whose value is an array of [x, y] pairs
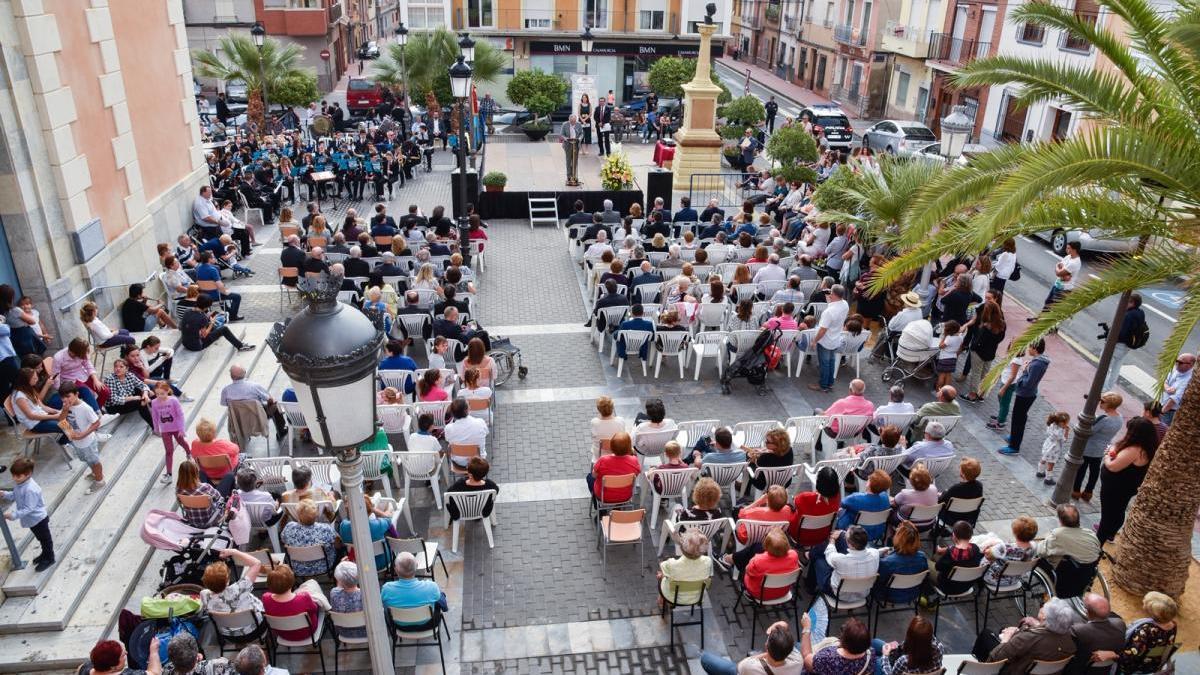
{"points": [[324, 54]]}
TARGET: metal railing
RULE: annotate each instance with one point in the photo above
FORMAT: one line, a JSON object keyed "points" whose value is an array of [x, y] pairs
{"points": [[67, 307], [945, 47], [726, 188], [849, 35]]}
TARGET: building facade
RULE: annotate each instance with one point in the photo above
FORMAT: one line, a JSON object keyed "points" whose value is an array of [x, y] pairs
{"points": [[100, 154], [628, 35], [906, 39], [971, 30], [817, 50]]}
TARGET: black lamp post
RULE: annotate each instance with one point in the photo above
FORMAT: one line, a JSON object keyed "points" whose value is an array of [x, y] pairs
{"points": [[467, 46], [460, 84], [330, 351], [259, 33], [586, 42], [402, 40]]}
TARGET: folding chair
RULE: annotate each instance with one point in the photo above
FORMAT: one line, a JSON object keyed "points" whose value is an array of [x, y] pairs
{"points": [[633, 340], [709, 344], [804, 433], [602, 502], [847, 586], [1013, 582], [31, 441], [816, 523], [961, 575], [790, 581], [237, 629], [973, 667], [463, 452], [306, 554], [726, 475], [956, 509], [339, 624], [423, 466], [675, 484], [897, 582], [872, 519], [309, 645], [618, 528], [471, 506], [671, 343], [426, 552], [671, 604], [1040, 667], [295, 420], [418, 623]]}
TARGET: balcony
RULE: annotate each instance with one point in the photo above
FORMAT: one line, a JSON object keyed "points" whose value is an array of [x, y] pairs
{"points": [[772, 13], [905, 40], [751, 22], [952, 51], [849, 35], [791, 23]]}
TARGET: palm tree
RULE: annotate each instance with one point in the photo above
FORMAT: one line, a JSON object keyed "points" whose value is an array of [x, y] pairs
{"points": [[877, 203], [1132, 173], [427, 58], [238, 58]]}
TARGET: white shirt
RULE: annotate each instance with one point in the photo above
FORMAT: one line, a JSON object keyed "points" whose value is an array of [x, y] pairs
{"points": [[980, 284], [81, 417], [423, 443], [201, 209], [1005, 264], [467, 431], [852, 564], [604, 429], [101, 331], [597, 249], [831, 320], [901, 408], [903, 318], [769, 272], [1072, 265]]}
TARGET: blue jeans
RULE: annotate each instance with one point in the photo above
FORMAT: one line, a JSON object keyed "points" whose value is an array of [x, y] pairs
{"points": [[826, 358], [717, 665], [877, 647], [50, 427]]}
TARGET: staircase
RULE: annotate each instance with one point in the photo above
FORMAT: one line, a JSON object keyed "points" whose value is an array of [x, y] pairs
{"points": [[49, 620], [543, 210]]}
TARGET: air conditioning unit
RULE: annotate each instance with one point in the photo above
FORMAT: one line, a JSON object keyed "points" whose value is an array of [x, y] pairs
{"points": [[87, 241]]}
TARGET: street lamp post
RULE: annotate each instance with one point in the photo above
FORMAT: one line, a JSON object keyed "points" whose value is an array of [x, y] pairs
{"points": [[259, 33], [467, 46], [460, 84], [586, 42], [402, 40], [956, 129], [330, 352]]}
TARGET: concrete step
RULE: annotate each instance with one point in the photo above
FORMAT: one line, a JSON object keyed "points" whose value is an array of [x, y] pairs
{"points": [[109, 542], [63, 488]]}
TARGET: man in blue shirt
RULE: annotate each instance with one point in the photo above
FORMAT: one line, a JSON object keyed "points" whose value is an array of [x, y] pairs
{"points": [[932, 447], [396, 360], [720, 451], [407, 592], [636, 322], [207, 271]]}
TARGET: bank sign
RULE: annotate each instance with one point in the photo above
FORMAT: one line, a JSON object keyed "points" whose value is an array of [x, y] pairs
{"points": [[685, 50]]}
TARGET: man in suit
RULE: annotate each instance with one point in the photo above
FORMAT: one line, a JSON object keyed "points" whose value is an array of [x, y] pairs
{"points": [[338, 245], [772, 109], [292, 256], [609, 215], [449, 327], [355, 265], [646, 274], [571, 135], [435, 246], [382, 224], [603, 119], [413, 217], [579, 217], [711, 230], [661, 207], [1102, 630], [388, 266], [611, 298], [635, 322], [686, 214], [315, 262], [598, 225], [223, 113], [712, 210], [437, 127], [656, 224]]}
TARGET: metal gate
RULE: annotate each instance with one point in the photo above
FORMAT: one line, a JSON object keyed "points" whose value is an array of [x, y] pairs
{"points": [[726, 188]]}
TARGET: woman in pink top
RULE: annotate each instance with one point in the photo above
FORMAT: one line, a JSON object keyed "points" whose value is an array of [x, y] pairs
{"points": [[281, 600], [71, 364], [430, 386], [207, 444], [922, 493], [783, 319], [166, 415]]}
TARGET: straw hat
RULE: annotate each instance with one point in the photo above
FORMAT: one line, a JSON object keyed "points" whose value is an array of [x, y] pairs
{"points": [[911, 299]]}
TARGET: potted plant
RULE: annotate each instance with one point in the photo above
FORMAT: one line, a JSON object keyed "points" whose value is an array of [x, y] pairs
{"points": [[494, 181], [540, 93]]}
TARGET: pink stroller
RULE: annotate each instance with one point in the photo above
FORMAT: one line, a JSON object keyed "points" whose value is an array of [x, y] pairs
{"points": [[194, 547]]}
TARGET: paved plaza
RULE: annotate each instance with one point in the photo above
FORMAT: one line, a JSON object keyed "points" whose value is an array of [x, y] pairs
{"points": [[542, 601]]}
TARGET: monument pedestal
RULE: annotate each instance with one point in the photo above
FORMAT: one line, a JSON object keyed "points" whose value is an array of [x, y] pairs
{"points": [[697, 144]]}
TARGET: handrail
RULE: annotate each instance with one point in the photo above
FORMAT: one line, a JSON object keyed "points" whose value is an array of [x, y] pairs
{"points": [[67, 307]]}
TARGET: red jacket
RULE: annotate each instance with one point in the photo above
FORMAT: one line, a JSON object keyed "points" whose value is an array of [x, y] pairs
{"points": [[614, 465]]}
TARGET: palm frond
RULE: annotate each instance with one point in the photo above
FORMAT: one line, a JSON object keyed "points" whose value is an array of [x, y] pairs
{"points": [[1090, 91]]}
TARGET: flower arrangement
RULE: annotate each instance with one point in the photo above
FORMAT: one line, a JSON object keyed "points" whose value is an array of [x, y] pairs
{"points": [[617, 173]]}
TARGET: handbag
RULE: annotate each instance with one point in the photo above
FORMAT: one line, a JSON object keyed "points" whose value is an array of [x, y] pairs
{"points": [[985, 642]]}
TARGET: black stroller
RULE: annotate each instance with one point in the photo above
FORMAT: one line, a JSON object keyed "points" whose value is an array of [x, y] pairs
{"points": [[752, 365]]}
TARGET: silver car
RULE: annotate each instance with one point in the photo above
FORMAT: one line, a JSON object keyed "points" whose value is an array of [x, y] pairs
{"points": [[898, 137]]}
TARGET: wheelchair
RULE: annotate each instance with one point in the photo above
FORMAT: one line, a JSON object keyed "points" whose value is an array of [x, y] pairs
{"points": [[1070, 580]]}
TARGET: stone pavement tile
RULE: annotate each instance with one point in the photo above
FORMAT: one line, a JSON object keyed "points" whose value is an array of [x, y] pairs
{"points": [[541, 441], [557, 360], [528, 277], [650, 661]]}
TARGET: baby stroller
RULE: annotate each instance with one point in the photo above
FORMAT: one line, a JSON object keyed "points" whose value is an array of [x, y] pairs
{"points": [[194, 547], [916, 351], [753, 364]]}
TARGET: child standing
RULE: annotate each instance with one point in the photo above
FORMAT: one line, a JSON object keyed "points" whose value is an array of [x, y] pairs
{"points": [[1058, 429], [79, 422], [948, 348], [169, 423], [30, 510]]}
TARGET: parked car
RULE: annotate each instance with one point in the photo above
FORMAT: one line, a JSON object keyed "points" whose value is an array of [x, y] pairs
{"points": [[235, 90], [369, 50], [639, 104], [362, 95], [831, 124], [505, 118], [933, 152], [898, 137], [1095, 240]]}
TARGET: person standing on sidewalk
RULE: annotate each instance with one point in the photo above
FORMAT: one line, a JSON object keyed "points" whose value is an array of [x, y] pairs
{"points": [[1176, 383], [1106, 426], [1135, 333], [829, 336], [1026, 392], [1066, 273], [1007, 379], [772, 109]]}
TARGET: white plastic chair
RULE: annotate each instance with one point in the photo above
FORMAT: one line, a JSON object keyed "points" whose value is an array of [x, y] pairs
{"points": [[807, 340], [675, 485], [633, 340], [414, 324], [936, 466], [393, 419], [321, 467], [648, 444], [295, 421], [651, 311], [470, 507], [752, 434], [713, 529], [841, 466], [884, 463], [804, 433], [726, 475], [949, 422], [756, 530], [372, 467], [901, 421], [436, 408], [397, 379], [271, 471], [709, 344], [423, 466], [788, 339], [260, 513], [769, 288], [744, 291], [673, 343], [848, 427], [742, 342], [852, 348], [773, 475], [711, 316], [691, 431], [612, 318], [725, 269]]}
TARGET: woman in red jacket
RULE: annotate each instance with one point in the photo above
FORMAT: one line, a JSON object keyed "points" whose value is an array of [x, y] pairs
{"points": [[777, 558], [621, 462], [825, 500]]}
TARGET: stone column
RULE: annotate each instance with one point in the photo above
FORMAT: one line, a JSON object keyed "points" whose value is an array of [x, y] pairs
{"points": [[698, 146]]}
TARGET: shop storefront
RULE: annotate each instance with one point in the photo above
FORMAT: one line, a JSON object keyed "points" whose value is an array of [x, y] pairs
{"points": [[620, 66]]}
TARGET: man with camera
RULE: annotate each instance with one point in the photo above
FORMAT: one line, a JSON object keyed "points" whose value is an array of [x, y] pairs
{"points": [[1134, 334]]}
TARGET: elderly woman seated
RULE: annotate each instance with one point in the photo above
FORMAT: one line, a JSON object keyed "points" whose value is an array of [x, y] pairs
{"points": [[922, 492], [380, 524], [778, 557], [605, 424], [693, 565], [1046, 638], [219, 595], [705, 503], [1146, 635], [306, 531], [346, 597], [284, 598]]}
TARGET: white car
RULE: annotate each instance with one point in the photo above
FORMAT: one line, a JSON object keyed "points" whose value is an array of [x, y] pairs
{"points": [[933, 152], [897, 137]]}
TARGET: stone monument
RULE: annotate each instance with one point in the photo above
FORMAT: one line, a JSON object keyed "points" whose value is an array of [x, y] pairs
{"points": [[697, 144]]}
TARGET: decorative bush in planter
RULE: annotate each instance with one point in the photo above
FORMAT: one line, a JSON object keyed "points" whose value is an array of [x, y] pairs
{"points": [[541, 93], [494, 181], [536, 130]]}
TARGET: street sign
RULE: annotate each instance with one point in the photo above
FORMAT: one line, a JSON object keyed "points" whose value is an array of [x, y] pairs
{"points": [[324, 54]]}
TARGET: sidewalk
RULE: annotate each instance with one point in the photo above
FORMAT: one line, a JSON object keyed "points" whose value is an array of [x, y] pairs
{"points": [[766, 78]]}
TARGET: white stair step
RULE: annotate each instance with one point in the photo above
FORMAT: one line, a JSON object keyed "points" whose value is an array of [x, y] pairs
{"points": [[112, 531]]}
